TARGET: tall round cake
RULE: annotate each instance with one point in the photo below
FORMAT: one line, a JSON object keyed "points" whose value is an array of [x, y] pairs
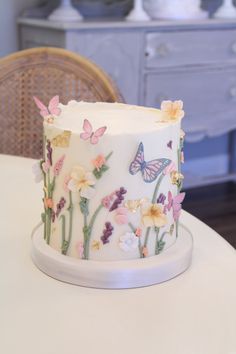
{"points": [[112, 179]]}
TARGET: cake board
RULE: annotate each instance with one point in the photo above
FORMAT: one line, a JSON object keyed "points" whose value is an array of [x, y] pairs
{"points": [[113, 274]]}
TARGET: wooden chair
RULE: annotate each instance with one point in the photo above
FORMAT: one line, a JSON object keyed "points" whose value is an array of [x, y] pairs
{"points": [[43, 72]]}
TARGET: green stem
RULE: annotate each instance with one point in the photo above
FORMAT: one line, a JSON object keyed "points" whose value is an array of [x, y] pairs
{"points": [[108, 156], [139, 239], [49, 216], [157, 230], [90, 228], [63, 232], [70, 209], [153, 201]]}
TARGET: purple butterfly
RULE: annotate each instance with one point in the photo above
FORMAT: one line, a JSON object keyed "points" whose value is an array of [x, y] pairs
{"points": [[161, 199], [169, 144], [150, 170]]}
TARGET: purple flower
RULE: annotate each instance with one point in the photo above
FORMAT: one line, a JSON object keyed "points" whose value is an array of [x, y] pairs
{"points": [[119, 198], [107, 232], [49, 152], [161, 199], [60, 206]]}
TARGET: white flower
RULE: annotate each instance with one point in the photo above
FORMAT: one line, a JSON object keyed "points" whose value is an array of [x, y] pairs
{"points": [[128, 241], [37, 171], [81, 181]]}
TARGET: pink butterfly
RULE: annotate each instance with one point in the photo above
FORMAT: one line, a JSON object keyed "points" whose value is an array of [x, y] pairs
{"points": [[52, 108], [89, 134], [175, 204]]}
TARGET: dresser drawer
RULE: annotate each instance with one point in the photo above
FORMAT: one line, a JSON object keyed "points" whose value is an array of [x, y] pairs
{"points": [[209, 98], [165, 49]]}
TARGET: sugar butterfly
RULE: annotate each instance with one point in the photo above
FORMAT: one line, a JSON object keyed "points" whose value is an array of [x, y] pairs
{"points": [[62, 140], [51, 110], [89, 134], [150, 170], [175, 203]]}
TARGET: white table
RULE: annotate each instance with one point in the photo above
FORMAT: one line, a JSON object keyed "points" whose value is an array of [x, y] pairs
{"points": [[194, 313]]}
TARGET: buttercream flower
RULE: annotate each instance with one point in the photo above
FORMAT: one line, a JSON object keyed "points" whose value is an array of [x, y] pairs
{"points": [[134, 205], [172, 111], [121, 216], [80, 249], [153, 215], [128, 242], [37, 171], [58, 165], [145, 252], [48, 202], [98, 162], [176, 178], [66, 182], [171, 167], [82, 182], [138, 232], [96, 245]]}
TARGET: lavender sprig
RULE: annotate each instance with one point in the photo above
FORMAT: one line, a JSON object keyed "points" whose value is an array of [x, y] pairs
{"points": [[107, 232], [49, 152], [60, 206], [119, 198]]}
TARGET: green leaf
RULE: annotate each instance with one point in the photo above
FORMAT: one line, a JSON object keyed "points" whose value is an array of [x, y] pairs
{"points": [[86, 231], [160, 246], [98, 173], [84, 206], [64, 247], [43, 217], [171, 229]]}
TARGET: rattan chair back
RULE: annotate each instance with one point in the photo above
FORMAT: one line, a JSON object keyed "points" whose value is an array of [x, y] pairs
{"points": [[44, 73]]}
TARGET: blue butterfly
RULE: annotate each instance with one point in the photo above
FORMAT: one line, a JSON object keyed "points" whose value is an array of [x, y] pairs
{"points": [[150, 170]]}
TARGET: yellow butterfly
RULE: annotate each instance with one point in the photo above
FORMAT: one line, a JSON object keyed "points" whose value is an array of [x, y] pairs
{"points": [[62, 140]]}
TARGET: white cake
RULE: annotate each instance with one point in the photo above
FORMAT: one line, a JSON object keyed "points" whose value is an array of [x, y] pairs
{"points": [[112, 179]]}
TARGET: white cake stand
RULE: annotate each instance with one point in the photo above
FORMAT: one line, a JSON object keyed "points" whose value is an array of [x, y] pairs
{"points": [[113, 274]]}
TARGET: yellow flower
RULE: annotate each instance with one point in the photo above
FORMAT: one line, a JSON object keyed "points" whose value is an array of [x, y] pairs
{"points": [[152, 215], [172, 111], [96, 245], [176, 178], [134, 205], [81, 181]]}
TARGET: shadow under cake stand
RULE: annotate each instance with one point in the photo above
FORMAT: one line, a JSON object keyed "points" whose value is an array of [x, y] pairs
{"points": [[113, 274]]}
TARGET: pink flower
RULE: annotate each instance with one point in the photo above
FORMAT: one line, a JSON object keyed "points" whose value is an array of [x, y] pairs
{"points": [[80, 249], [172, 111], [99, 162], [66, 182], [58, 166], [121, 216], [138, 232], [107, 201], [170, 168]]}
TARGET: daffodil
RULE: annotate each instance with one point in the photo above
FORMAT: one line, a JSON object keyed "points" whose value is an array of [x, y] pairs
{"points": [[153, 215], [172, 111], [82, 181]]}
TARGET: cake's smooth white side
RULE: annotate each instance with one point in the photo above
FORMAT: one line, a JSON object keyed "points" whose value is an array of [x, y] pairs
{"points": [[127, 126]]}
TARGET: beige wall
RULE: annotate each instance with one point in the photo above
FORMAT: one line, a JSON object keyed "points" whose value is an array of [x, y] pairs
{"points": [[9, 11]]}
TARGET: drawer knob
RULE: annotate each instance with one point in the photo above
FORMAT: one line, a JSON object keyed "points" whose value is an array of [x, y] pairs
{"points": [[232, 92], [162, 50], [233, 47]]}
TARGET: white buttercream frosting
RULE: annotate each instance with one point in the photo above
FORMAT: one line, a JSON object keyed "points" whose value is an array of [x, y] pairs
{"points": [[119, 118]]}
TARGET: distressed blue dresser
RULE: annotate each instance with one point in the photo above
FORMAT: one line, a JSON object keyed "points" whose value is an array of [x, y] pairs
{"points": [[153, 61]]}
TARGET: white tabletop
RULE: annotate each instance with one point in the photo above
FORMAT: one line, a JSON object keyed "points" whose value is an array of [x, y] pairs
{"points": [[194, 313]]}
